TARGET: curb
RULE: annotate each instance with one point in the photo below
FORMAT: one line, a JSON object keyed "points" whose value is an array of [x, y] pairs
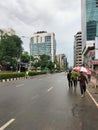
{"points": [[94, 100], [12, 79], [93, 92]]}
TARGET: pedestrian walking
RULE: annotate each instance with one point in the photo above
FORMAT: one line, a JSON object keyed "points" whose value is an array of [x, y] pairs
{"points": [[27, 74], [74, 77], [69, 79], [89, 77], [83, 81], [89, 74]]}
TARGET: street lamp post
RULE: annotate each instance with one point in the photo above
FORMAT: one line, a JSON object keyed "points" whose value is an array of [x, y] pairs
{"points": [[30, 50], [18, 65]]}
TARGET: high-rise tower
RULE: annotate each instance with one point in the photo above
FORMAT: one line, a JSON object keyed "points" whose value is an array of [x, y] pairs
{"points": [[43, 43], [78, 49], [89, 9]]}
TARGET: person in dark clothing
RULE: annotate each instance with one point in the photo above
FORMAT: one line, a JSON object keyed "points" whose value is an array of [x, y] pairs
{"points": [[69, 79], [83, 80], [89, 77]]}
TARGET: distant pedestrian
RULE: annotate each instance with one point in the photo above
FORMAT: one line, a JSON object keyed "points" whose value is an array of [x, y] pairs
{"points": [[27, 74], [83, 81], [89, 77], [69, 79], [89, 74]]}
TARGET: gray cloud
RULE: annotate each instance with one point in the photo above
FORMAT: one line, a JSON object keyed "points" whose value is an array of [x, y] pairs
{"points": [[63, 17]]}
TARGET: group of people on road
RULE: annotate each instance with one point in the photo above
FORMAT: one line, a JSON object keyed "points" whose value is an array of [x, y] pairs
{"points": [[73, 77]]}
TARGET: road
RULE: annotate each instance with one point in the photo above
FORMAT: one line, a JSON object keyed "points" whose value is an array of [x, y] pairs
{"points": [[45, 103]]}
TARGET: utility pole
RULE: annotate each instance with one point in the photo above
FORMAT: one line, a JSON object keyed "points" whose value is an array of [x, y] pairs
{"points": [[29, 51]]}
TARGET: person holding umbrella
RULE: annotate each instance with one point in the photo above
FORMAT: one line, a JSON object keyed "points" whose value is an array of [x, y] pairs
{"points": [[74, 77], [83, 80]]}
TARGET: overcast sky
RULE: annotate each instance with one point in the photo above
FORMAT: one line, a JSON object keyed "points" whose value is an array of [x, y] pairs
{"points": [[63, 17]]}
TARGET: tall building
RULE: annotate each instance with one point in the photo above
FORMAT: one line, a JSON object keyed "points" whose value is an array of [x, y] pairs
{"points": [[62, 60], [8, 31], [89, 9], [78, 49], [43, 43]]}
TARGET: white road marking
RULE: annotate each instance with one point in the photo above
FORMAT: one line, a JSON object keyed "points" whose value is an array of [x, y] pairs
{"points": [[35, 97], [19, 85], [40, 79], [7, 124], [92, 98], [50, 89], [49, 77]]}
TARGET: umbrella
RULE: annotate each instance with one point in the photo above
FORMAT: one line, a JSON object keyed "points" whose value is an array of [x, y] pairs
{"points": [[77, 68], [88, 72], [80, 69], [83, 69]]}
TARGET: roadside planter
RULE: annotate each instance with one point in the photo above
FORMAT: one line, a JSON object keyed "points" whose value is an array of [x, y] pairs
{"points": [[10, 76]]}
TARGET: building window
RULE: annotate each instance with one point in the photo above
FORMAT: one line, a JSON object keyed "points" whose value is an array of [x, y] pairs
{"points": [[32, 39], [93, 57], [96, 3], [41, 39], [48, 39]]}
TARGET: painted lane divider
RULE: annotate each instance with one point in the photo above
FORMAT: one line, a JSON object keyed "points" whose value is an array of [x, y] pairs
{"points": [[35, 97], [19, 85], [40, 79], [50, 89], [7, 124]]}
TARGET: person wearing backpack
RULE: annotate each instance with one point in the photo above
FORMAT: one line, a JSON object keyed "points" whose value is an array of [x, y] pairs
{"points": [[69, 79]]}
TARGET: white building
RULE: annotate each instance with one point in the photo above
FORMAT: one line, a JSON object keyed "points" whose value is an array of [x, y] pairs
{"points": [[43, 43], [89, 11], [62, 60], [8, 31], [78, 49]]}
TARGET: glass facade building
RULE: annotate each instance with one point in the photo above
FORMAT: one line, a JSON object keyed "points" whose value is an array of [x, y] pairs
{"points": [[89, 11], [43, 43]]}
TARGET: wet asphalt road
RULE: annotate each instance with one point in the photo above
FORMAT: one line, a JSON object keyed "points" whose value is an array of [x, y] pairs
{"points": [[45, 103]]}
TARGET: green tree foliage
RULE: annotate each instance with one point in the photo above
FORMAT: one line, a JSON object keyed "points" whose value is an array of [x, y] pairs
{"points": [[10, 49], [44, 62], [50, 65], [36, 64], [25, 57], [18, 43]]}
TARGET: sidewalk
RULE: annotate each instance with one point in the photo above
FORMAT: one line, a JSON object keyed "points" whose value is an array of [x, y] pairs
{"points": [[93, 89]]}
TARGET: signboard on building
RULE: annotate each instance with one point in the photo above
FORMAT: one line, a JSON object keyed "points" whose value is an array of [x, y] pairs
{"points": [[92, 53], [93, 62]]}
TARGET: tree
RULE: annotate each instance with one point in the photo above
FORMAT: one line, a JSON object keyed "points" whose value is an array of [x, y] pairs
{"points": [[18, 43], [36, 64], [10, 49], [25, 57], [44, 61], [50, 65]]}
